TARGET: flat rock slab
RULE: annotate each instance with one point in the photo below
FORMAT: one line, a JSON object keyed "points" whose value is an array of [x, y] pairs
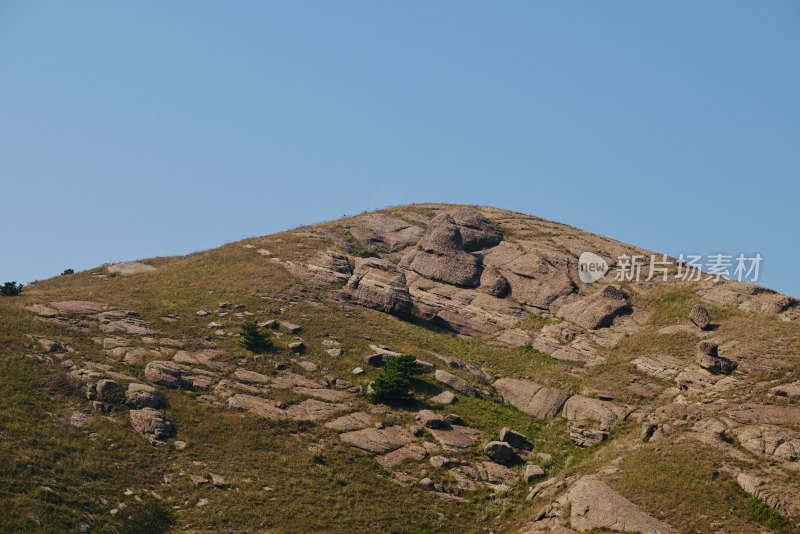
{"points": [[457, 438], [605, 413], [412, 451], [350, 422], [41, 310], [331, 395], [199, 357], [531, 398], [307, 410], [469, 476], [176, 375], [596, 506], [378, 440], [252, 377], [81, 307], [664, 367], [129, 268], [457, 383]]}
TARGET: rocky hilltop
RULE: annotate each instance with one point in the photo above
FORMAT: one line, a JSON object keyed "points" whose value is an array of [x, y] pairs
{"points": [[546, 404]]}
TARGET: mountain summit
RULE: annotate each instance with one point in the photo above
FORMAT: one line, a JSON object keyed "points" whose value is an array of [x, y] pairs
{"points": [[234, 390]]}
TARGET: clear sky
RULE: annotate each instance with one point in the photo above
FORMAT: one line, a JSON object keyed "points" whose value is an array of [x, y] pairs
{"points": [[136, 129]]}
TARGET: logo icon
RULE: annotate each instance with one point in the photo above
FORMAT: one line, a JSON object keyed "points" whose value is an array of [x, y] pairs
{"points": [[591, 267]]}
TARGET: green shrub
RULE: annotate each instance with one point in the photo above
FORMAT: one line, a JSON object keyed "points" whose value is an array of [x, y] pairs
{"points": [[765, 514], [68, 271], [393, 384], [10, 289], [252, 338]]}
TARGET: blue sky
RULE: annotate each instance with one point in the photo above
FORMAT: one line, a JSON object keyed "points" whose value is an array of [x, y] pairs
{"points": [[136, 129]]}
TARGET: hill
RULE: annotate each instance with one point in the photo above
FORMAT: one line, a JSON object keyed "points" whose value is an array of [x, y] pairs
{"points": [[546, 403]]}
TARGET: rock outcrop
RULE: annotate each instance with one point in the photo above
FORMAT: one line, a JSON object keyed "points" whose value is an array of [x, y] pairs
{"points": [[598, 310], [378, 284]]}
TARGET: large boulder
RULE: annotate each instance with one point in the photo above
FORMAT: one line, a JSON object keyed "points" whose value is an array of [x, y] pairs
{"points": [[598, 310], [152, 424], [531, 398], [384, 232], [499, 452], [477, 232], [440, 255], [378, 284]]}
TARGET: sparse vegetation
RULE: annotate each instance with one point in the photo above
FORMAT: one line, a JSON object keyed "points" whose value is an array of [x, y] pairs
{"points": [[766, 515], [253, 338], [394, 382], [10, 289]]}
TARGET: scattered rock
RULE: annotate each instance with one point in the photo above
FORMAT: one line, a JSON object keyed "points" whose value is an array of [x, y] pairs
{"points": [[515, 439], [180, 445], [357, 371], [431, 419], [142, 396], [110, 392], [297, 346], [445, 397], [711, 361], [335, 352], [457, 437], [218, 481], [700, 316], [290, 327], [456, 383], [532, 472], [151, 424], [499, 451]]}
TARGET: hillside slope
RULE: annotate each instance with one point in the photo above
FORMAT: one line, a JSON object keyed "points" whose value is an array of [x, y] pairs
{"points": [[128, 405]]}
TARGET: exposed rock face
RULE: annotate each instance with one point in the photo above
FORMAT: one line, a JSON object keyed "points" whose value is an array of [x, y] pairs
{"points": [[457, 437], [700, 316], [788, 391], [325, 268], [456, 383], [598, 310], [151, 424], [175, 375], [463, 310], [379, 285], [142, 396], [749, 297], [530, 397], [381, 231], [532, 472]]}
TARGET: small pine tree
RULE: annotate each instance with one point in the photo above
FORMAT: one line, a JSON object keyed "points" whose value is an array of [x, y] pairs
{"points": [[68, 271], [10, 289], [390, 386], [252, 338], [393, 383]]}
